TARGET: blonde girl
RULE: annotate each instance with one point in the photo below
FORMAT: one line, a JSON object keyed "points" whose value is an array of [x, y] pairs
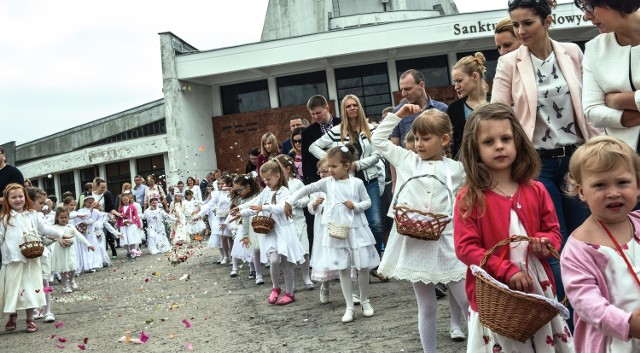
{"points": [[601, 259], [129, 224], [425, 263], [20, 278], [281, 245], [269, 148], [501, 199], [356, 253], [287, 165], [468, 79]]}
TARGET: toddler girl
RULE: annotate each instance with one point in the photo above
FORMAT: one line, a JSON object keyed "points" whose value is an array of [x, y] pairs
{"points": [[179, 232], [601, 259], [155, 216], [356, 252], [218, 209], [64, 254], [500, 199]]}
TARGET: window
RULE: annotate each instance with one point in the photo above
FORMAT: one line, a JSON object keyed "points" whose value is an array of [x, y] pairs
{"points": [[155, 128], [67, 183], [435, 69], [86, 176], [245, 97], [48, 186], [491, 55], [34, 182], [117, 174], [369, 82], [297, 89], [151, 165]]}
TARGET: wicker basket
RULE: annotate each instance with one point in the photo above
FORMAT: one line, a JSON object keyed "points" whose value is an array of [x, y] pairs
{"points": [[262, 224], [338, 230], [420, 224], [222, 213], [32, 249], [510, 313]]}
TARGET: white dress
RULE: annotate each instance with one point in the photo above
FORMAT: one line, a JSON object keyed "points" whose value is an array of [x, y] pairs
{"points": [[239, 250], [411, 259], [316, 253], [197, 194], [218, 204], [63, 259], [87, 260], [21, 278], [157, 241], [180, 226], [358, 249], [101, 248], [298, 214], [551, 338], [130, 232], [191, 208], [282, 238]]}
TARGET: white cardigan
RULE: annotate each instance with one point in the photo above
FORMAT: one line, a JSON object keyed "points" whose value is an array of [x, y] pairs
{"points": [[606, 69], [11, 234]]}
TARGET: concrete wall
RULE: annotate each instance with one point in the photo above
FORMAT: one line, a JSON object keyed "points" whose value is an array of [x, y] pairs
{"points": [[354, 7], [292, 18], [378, 18], [86, 134]]}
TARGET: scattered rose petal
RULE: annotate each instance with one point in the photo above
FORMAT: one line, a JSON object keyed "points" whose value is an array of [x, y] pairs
{"points": [[59, 346], [135, 341], [38, 291], [171, 335], [22, 293], [48, 289], [201, 149], [86, 340], [52, 337], [188, 346], [62, 340], [186, 323], [143, 337], [81, 346], [59, 324], [146, 280]]}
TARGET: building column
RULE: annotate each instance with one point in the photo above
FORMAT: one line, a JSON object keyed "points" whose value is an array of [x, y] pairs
{"points": [[133, 169], [392, 73], [77, 183], [452, 58], [273, 92], [56, 186], [332, 88], [102, 172]]}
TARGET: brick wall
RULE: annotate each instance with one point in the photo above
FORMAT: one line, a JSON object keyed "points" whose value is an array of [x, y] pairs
{"points": [[236, 134]]}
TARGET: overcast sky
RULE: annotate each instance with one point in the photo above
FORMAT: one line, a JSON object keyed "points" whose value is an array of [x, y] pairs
{"points": [[65, 63]]}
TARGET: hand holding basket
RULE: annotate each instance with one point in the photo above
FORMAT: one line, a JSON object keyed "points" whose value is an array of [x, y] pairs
{"points": [[421, 224], [262, 224], [32, 247], [339, 228]]}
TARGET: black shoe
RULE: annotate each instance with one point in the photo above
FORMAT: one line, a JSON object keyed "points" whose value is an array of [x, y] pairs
{"points": [[441, 290]]}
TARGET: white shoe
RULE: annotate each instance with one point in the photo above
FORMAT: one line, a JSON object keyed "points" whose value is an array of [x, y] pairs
{"points": [[38, 315], [49, 318], [367, 309], [224, 261], [457, 335], [356, 299], [348, 316], [68, 290], [324, 294], [74, 284], [259, 281], [234, 273]]}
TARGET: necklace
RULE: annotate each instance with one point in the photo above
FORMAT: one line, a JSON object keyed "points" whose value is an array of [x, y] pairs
{"points": [[510, 196]]}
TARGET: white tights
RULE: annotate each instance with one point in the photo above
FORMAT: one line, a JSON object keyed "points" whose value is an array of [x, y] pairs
{"points": [[347, 285], [428, 310], [257, 265], [276, 260]]}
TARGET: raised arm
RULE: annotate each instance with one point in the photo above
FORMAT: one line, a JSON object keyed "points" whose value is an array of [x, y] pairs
{"points": [[380, 139]]}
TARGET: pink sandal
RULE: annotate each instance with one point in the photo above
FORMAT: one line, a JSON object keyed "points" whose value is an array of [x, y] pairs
{"points": [[275, 293], [31, 326], [287, 298], [11, 324]]}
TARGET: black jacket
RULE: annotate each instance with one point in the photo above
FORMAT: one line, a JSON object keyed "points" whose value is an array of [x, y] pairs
{"points": [[309, 161]]}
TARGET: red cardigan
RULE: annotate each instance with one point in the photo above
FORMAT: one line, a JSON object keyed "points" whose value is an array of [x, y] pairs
{"points": [[476, 234]]}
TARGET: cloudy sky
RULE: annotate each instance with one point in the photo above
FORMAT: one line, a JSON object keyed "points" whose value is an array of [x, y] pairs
{"points": [[65, 63]]}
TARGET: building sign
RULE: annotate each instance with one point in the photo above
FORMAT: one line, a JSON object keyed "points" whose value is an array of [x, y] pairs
{"points": [[563, 21]]}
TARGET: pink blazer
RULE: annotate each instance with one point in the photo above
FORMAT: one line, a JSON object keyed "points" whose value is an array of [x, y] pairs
{"points": [[515, 83]]}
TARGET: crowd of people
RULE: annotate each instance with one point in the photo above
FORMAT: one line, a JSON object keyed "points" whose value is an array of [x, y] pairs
{"points": [[434, 194]]}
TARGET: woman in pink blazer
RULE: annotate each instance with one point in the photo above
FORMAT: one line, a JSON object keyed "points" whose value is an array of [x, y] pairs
{"points": [[543, 81]]}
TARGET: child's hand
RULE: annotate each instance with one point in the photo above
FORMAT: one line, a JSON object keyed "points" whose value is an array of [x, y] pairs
{"points": [[223, 226], [256, 207], [349, 204], [288, 211], [540, 247], [520, 282], [318, 202], [121, 236], [408, 109], [634, 324], [245, 242], [234, 211], [91, 248]]}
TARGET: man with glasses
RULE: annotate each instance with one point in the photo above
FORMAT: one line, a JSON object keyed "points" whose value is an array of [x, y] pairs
{"points": [[295, 122]]}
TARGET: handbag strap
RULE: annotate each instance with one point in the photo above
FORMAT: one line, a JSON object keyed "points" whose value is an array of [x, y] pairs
{"points": [[619, 248], [633, 87]]}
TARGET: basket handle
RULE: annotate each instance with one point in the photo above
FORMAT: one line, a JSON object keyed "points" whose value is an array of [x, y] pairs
{"points": [[449, 192], [515, 238]]}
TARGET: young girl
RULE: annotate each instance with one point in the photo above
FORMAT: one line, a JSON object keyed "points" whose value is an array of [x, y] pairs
{"points": [[357, 251], [425, 263], [269, 148], [155, 216], [500, 199], [245, 188], [191, 209], [218, 209], [601, 259], [281, 244], [287, 165], [86, 217], [179, 232], [99, 227], [20, 278], [64, 254], [129, 225]]}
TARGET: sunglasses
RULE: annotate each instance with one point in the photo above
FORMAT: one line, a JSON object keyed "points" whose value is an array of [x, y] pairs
{"points": [[541, 3], [588, 7], [297, 141]]}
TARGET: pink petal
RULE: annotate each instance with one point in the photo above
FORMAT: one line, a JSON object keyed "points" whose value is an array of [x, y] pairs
{"points": [[146, 280], [62, 339], [188, 346], [186, 323], [52, 337], [143, 337], [59, 346], [59, 324], [81, 346], [48, 289], [22, 293], [86, 340]]}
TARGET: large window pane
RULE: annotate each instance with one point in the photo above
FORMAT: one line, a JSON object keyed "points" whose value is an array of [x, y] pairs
{"points": [[435, 69], [369, 82], [67, 183], [297, 89], [117, 174], [245, 97]]}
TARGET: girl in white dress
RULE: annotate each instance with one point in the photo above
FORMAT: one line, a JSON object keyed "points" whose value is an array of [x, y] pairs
{"points": [[98, 227], [601, 260], [155, 216], [64, 254], [218, 209], [191, 209], [86, 217], [425, 263], [348, 196], [281, 245], [179, 232], [294, 184], [20, 278], [129, 225]]}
